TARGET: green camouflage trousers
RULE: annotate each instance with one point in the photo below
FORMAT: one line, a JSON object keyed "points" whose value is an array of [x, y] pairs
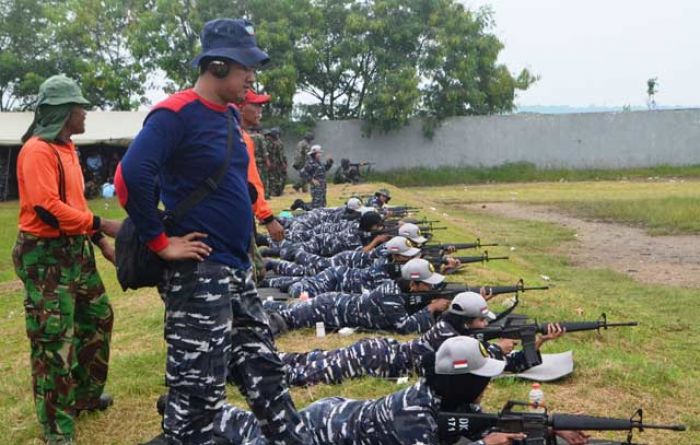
{"points": [[276, 180], [69, 325]]}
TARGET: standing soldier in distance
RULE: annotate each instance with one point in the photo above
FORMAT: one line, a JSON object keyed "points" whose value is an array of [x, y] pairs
{"points": [[251, 115], [68, 315], [303, 147], [278, 161], [314, 172]]}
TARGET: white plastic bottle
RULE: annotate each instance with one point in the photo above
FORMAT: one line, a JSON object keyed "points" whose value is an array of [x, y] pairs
{"points": [[536, 399], [320, 329]]}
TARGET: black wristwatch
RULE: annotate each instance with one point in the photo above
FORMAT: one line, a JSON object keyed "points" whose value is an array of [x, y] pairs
{"points": [[97, 237]]}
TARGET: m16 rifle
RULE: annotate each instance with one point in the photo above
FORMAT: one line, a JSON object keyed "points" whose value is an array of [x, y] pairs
{"points": [[401, 210], [539, 427], [440, 260], [521, 328], [440, 249], [361, 164], [418, 300]]}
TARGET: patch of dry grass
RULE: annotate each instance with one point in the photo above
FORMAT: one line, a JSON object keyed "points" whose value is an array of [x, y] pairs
{"points": [[653, 366]]}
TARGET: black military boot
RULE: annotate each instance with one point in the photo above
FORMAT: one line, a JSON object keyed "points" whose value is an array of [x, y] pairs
{"points": [[97, 404]]}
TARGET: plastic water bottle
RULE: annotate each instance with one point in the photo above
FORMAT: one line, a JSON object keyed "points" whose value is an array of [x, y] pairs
{"points": [[320, 329], [536, 399]]}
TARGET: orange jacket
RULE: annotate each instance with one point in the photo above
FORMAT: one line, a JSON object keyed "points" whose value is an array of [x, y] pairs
{"points": [[261, 208], [38, 181]]}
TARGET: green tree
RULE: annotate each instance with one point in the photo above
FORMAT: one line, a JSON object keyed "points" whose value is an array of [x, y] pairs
{"points": [[385, 61], [382, 61], [24, 52], [83, 39], [652, 89], [91, 38], [462, 76]]}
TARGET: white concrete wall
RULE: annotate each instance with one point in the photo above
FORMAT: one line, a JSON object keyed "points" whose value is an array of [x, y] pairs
{"points": [[589, 140]]}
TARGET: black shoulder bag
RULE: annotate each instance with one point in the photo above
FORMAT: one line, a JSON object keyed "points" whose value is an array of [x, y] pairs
{"points": [[138, 266]]}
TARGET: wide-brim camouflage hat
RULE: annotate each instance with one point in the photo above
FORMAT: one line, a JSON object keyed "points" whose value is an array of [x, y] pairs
{"points": [[60, 90]]}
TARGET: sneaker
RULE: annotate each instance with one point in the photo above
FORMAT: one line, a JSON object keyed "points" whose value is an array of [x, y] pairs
{"points": [[98, 404]]}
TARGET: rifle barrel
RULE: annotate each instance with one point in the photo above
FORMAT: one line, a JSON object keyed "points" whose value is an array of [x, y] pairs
{"points": [[614, 325], [591, 423], [579, 326]]}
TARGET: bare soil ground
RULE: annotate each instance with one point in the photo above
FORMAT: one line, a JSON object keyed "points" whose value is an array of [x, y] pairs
{"points": [[669, 260]]}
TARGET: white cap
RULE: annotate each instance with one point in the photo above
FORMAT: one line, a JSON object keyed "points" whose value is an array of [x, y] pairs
{"points": [[412, 232], [315, 149], [399, 245], [419, 269], [466, 355], [353, 204], [471, 305]]}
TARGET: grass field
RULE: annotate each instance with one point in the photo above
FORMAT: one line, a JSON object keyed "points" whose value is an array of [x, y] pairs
{"points": [[523, 172], [653, 366], [664, 207]]}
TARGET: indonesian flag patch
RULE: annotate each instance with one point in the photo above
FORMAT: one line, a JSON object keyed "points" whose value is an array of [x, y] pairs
{"points": [[460, 364]]}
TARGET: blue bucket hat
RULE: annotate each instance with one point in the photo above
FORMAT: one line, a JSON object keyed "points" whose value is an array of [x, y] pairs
{"points": [[232, 39]]}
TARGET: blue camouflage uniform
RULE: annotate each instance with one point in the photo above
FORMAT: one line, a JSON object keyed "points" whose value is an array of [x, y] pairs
{"points": [[325, 244], [406, 417], [301, 234], [201, 300], [379, 357], [315, 170], [333, 279], [309, 264], [382, 309], [343, 279]]}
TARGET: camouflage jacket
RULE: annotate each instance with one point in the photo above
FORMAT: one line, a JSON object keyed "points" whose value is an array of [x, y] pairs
{"points": [[275, 153], [261, 150], [300, 154]]}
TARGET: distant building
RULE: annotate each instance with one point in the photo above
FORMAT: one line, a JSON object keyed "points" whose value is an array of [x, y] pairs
{"points": [[107, 133]]}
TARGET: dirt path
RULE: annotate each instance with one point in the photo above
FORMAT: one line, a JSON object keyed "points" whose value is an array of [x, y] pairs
{"points": [[673, 260]]}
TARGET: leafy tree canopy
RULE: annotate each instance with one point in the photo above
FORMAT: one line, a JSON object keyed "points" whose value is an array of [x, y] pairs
{"points": [[382, 61]]}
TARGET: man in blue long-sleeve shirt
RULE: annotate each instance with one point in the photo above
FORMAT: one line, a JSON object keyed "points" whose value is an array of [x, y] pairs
{"points": [[215, 327]]}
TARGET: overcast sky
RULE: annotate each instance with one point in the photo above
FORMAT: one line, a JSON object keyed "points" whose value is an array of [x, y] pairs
{"points": [[601, 52]]}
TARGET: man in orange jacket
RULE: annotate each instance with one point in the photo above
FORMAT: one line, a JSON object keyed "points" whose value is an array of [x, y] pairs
{"points": [[68, 315], [251, 115]]}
